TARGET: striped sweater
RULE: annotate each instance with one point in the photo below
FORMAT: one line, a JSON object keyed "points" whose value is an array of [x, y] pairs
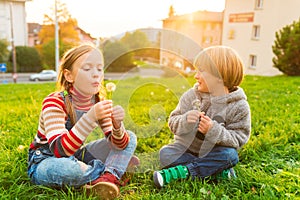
{"points": [[63, 142]]}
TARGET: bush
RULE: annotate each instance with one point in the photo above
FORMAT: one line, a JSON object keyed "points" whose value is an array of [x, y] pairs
{"points": [[3, 50], [287, 49], [28, 59]]}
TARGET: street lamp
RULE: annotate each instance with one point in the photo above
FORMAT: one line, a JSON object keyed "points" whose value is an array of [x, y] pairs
{"points": [[14, 58], [56, 39]]}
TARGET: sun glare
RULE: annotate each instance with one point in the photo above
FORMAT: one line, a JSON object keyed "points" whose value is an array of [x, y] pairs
{"points": [[188, 6], [117, 16]]}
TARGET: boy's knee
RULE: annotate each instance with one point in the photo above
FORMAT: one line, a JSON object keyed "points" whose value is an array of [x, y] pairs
{"points": [[232, 155], [162, 153], [164, 156]]}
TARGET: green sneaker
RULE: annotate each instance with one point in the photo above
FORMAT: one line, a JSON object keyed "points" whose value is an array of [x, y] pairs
{"points": [[226, 174], [165, 176]]}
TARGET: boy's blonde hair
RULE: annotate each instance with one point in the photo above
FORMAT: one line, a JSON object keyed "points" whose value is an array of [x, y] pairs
{"points": [[222, 62]]}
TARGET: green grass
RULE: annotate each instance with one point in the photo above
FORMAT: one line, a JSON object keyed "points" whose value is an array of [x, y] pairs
{"points": [[269, 162]]}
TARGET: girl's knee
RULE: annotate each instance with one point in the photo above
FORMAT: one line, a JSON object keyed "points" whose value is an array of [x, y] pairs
{"points": [[133, 138], [60, 168]]}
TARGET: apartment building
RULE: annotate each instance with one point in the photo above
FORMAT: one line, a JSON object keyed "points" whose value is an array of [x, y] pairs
{"points": [[13, 22], [185, 35], [250, 26]]}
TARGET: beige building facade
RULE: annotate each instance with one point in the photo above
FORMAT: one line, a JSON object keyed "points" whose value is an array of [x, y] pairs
{"points": [[13, 20], [184, 36], [249, 27]]}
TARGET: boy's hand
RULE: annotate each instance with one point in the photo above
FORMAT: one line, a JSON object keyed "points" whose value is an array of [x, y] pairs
{"points": [[205, 124], [117, 116], [193, 116]]}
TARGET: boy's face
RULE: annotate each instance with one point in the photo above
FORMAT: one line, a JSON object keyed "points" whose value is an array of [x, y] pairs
{"points": [[208, 83], [88, 73], [202, 82]]}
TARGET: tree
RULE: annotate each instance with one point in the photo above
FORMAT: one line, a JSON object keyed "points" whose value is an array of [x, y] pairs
{"points": [[287, 49], [68, 35], [47, 52], [135, 40], [139, 44], [67, 26], [117, 57]]}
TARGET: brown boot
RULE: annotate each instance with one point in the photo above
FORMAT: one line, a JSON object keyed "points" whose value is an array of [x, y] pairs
{"points": [[105, 187]]}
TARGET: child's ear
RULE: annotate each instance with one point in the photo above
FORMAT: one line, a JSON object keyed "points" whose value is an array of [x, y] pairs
{"points": [[68, 76]]}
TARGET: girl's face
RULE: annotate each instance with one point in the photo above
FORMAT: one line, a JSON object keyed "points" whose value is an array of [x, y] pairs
{"points": [[88, 72]]}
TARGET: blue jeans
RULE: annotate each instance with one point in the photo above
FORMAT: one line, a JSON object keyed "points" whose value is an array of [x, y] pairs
{"points": [[45, 169], [218, 159]]}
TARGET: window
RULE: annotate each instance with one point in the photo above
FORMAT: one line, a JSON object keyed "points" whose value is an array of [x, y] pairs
{"points": [[252, 62], [207, 39], [259, 4], [231, 34], [256, 32]]}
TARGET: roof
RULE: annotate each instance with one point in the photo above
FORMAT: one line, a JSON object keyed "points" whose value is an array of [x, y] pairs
{"points": [[199, 16], [34, 27]]}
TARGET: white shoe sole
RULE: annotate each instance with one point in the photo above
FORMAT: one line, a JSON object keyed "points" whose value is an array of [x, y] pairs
{"points": [[158, 179]]}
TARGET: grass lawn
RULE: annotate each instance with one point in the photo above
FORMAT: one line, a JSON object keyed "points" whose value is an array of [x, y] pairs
{"points": [[269, 166]]}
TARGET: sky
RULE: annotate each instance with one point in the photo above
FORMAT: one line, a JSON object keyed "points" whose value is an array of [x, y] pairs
{"points": [[106, 18]]}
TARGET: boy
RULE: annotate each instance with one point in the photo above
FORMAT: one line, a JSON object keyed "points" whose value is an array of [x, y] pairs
{"points": [[210, 123]]}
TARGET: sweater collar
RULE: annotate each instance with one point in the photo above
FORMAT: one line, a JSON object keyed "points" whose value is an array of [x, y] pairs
{"points": [[81, 101]]}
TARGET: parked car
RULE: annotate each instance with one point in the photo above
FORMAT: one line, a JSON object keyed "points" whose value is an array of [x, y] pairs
{"points": [[45, 75]]}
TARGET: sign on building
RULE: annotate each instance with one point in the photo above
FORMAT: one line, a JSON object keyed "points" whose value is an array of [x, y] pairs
{"points": [[241, 17]]}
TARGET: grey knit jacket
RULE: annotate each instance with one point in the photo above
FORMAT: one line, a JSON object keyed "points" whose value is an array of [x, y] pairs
{"points": [[231, 120]]}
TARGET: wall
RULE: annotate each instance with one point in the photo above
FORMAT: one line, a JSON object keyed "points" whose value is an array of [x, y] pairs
{"points": [[271, 17]]}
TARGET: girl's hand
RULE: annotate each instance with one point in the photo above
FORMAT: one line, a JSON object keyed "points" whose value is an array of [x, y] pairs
{"points": [[117, 116], [205, 124], [193, 116], [103, 109]]}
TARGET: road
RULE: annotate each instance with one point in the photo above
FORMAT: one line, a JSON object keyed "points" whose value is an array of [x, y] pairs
{"points": [[21, 78], [6, 78], [24, 77]]}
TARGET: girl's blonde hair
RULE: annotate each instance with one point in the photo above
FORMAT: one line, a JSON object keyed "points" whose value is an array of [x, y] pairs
{"points": [[222, 62], [67, 62]]}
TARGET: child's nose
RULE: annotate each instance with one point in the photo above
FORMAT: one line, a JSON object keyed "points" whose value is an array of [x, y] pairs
{"points": [[95, 71]]}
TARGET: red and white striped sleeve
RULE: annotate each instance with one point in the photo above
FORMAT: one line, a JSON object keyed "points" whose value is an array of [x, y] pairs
{"points": [[61, 141]]}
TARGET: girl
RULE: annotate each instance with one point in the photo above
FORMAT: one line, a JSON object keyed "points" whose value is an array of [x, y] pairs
{"points": [[211, 121], [57, 157]]}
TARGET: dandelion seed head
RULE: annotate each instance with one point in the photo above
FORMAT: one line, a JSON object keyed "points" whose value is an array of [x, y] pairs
{"points": [[110, 87], [20, 148]]}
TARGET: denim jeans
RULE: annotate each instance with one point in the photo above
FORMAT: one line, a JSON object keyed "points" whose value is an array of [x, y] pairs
{"points": [[115, 161], [45, 169], [218, 159]]}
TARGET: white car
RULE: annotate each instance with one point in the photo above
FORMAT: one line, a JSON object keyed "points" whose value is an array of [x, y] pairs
{"points": [[45, 75]]}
